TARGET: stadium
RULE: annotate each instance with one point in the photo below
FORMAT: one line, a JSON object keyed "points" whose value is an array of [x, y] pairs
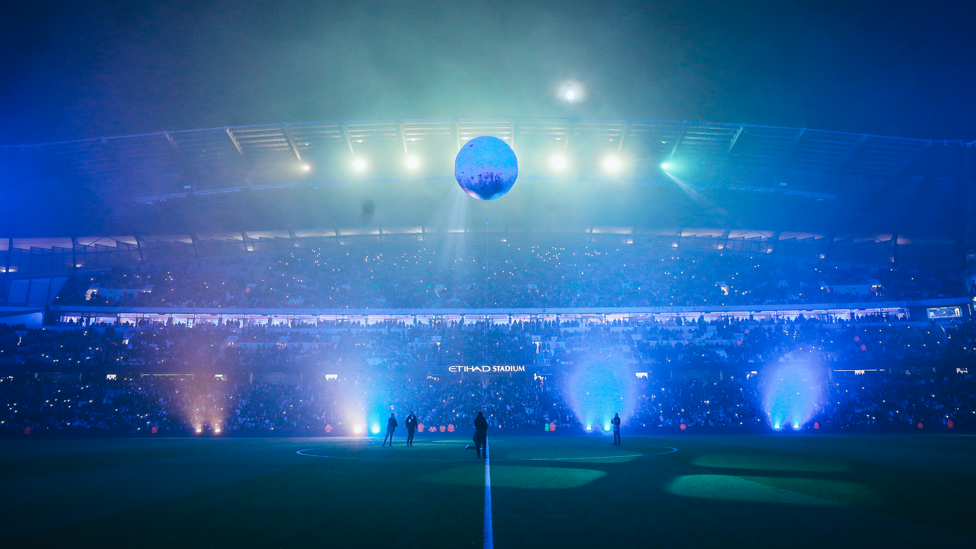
{"points": [[680, 333]]}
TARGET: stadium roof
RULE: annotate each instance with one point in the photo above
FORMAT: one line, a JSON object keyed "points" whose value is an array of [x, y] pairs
{"points": [[105, 174], [223, 158]]}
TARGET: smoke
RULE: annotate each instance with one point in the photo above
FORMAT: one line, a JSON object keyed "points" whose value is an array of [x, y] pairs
{"points": [[597, 389], [791, 395]]}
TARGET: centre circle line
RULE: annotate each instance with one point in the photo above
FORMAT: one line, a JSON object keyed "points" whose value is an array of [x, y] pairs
{"points": [[668, 450]]}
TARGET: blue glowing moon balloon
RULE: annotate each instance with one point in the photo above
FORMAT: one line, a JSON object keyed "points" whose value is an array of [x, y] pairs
{"points": [[486, 168]]}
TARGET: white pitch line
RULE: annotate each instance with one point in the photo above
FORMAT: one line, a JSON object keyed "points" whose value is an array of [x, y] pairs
{"points": [[668, 450], [489, 536]]}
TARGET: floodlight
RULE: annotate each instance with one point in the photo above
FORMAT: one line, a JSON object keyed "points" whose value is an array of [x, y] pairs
{"points": [[357, 429], [359, 164], [611, 164], [413, 162], [558, 162], [571, 92], [375, 429]]}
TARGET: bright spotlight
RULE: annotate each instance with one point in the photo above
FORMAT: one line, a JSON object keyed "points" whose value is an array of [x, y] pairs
{"points": [[571, 92], [359, 164], [199, 430], [217, 430], [558, 162], [796, 426], [306, 167], [667, 166], [612, 164], [358, 429], [413, 162], [375, 429], [589, 427], [777, 427]]}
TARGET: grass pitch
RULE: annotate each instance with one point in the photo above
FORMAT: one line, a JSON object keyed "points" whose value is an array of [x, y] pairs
{"points": [[547, 491]]}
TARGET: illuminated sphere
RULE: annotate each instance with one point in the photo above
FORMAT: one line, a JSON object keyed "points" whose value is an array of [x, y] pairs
{"points": [[486, 168]]}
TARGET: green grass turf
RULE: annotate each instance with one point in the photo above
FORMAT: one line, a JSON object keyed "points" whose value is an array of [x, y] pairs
{"points": [[547, 491]]}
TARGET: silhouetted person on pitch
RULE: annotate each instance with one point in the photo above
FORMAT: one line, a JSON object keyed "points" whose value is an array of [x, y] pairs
{"points": [[481, 435], [616, 429], [411, 424], [391, 425]]}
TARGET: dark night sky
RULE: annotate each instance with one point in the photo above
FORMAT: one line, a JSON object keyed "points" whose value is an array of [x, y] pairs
{"points": [[71, 70]]}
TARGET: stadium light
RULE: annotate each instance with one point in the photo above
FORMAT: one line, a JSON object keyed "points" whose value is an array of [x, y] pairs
{"points": [[558, 162], [611, 164], [413, 162], [571, 92], [359, 164]]}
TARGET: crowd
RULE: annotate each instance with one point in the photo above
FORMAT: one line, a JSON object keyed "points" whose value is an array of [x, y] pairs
{"points": [[176, 378], [431, 347], [461, 272], [187, 405], [177, 404], [897, 399]]}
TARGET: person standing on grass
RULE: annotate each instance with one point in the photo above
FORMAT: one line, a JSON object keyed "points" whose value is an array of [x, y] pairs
{"points": [[616, 429], [481, 435], [411, 424], [391, 425]]}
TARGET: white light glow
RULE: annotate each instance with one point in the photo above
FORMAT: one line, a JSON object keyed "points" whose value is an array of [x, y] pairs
{"points": [[558, 162], [571, 92], [359, 164], [666, 166], [358, 429], [306, 167], [611, 164], [413, 162]]}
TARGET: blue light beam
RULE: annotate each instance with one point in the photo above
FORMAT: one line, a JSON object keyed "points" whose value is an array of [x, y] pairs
{"points": [[791, 395], [597, 389]]}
